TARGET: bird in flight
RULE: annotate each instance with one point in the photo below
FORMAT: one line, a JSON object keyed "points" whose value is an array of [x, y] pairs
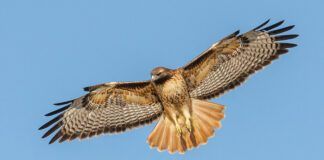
{"points": [[176, 98]]}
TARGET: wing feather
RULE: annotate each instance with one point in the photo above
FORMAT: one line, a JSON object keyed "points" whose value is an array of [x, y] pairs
{"points": [[110, 107], [230, 61]]}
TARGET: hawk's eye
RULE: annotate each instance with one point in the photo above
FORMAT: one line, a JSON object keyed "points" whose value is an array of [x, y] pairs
{"points": [[158, 74]]}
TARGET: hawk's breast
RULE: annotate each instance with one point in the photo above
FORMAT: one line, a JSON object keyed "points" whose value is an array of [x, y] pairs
{"points": [[174, 91]]}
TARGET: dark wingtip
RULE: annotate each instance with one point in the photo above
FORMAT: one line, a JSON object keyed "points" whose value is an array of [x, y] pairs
{"points": [[273, 26], [49, 114], [233, 34], [62, 103], [53, 129], [285, 37], [58, 110], [287, 45], [43, 127], [49, 123], [281, 30], [282, 51], [57, 136], [261, 25], [45, 135], [64, 138]]}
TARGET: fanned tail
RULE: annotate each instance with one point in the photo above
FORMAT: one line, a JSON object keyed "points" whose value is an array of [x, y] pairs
{"points": [[206, 116]]}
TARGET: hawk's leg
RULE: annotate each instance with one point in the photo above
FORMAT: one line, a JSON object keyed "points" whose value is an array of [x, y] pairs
{"points": [[173, 116], [187, 116], [179, 130], [175, 122]]}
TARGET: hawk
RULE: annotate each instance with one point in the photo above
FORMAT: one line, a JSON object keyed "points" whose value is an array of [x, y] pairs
{"points": [[177, 98]]}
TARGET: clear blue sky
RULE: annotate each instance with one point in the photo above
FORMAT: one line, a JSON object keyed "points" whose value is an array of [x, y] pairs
{"points": [[49, 50]]}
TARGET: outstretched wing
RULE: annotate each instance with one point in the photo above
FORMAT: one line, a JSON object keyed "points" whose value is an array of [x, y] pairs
{"points": [[110, 107], [229, 62]]}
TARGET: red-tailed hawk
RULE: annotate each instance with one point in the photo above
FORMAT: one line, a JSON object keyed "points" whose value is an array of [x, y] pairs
{"points": [[176, 98]]}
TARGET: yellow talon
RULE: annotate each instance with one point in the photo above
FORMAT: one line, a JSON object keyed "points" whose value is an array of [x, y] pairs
{"points": [[188, 125], [179, 130]]}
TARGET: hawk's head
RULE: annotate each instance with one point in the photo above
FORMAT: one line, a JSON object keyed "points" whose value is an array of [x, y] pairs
{"points": [[160, 74]]}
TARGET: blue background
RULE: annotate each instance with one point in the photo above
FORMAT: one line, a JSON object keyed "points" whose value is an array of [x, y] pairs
{"points": [[49, 50]]}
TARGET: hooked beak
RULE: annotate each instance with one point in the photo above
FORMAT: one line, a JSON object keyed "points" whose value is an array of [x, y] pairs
{"points": [[153, 77]]}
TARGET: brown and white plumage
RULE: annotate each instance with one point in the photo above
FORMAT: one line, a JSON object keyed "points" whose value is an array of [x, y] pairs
{"points": [[109, 108], [176, 97], [227, 63]]}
